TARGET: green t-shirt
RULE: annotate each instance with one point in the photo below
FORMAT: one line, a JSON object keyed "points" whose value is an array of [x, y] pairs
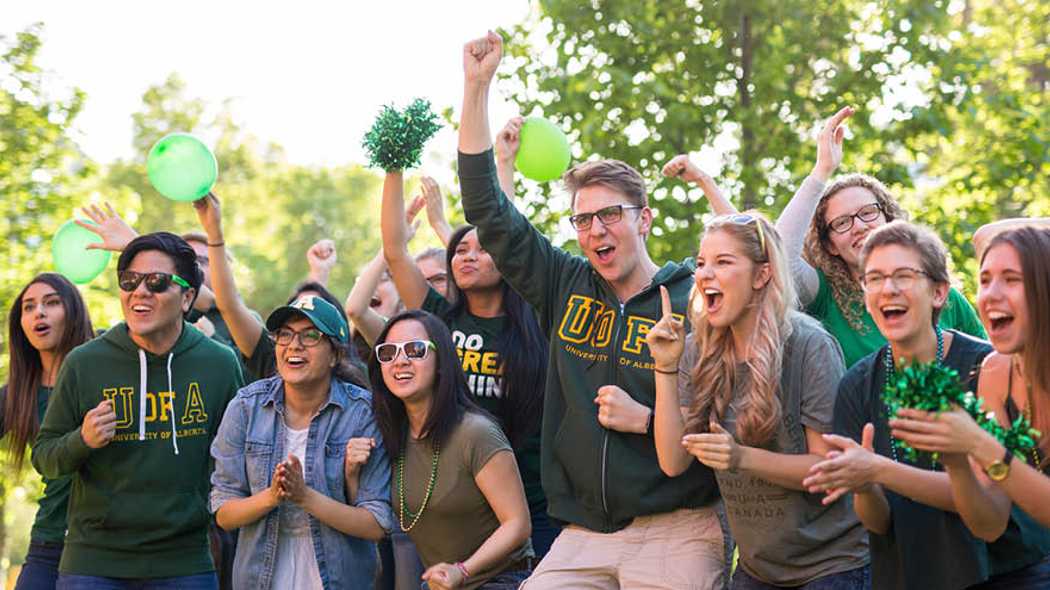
{"points": [[475, 339], [49, 526], [957, 314], [50, 522], [457, 518]]}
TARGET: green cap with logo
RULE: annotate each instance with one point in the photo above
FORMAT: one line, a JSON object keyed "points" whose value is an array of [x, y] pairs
{"points": [[324, 316]]}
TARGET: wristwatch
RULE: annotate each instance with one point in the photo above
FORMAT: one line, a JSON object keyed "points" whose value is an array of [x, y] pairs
{"points": [[999, 470]]}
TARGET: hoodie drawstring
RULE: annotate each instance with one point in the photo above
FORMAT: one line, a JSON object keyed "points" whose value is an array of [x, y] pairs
{"points": [[142, 395], [142, 399], [174, 442]]}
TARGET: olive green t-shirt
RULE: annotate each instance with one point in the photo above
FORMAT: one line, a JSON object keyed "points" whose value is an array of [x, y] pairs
{"points": [[475, 339], [957, 314], [457, 519]]}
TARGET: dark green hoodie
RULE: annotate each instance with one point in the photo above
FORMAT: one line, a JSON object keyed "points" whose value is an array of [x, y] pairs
{"points": [[138, 508], [597, 478]]}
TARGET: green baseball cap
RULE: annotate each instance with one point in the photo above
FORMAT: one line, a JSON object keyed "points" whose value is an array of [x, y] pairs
{"points": [[324, 316]]}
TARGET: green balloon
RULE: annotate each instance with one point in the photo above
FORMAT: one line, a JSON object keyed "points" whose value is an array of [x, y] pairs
{"points": [[181, 167], [71, 256], [544, 151]]}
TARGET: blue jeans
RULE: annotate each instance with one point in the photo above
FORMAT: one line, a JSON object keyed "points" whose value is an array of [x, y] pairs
{"points": [[544, 531], [208, 581], [40, 570], [858, 579], [1033, 577]]}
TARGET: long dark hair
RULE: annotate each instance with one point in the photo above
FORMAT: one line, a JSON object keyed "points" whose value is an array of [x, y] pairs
{"points": [[450, 399], [348, 367], [1033, 249], [26, 368], [522, 352]]}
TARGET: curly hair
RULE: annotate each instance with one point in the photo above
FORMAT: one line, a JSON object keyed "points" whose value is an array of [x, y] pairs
{"points": [[713, 377], [845, 290]]}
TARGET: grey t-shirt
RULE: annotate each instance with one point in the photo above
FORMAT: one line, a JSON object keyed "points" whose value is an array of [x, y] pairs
{"points": [[787, 537]]}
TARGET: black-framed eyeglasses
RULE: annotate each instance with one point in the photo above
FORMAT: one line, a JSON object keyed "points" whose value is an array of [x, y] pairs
{"points": [[607, 215], [904, 278], [308, 337], [844, 223], [415, 350], [746, 219], [156, 282]]}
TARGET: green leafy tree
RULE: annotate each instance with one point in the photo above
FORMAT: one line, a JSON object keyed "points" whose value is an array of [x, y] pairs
{"points": [[642, 81]]}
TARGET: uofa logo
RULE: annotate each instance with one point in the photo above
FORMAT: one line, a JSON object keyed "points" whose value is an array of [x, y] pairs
{"points": [[159, 405], [589, 321]]}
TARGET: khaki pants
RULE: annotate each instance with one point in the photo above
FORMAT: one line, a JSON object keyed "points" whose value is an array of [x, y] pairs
{"points": [[680, 550]]}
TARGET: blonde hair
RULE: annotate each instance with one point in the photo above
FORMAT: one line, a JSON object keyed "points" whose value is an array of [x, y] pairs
{"points": [[844, 289], [714, 375]]}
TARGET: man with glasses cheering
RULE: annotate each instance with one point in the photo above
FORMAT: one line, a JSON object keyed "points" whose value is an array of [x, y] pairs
{"points": [[132, 418], [629, 524]]}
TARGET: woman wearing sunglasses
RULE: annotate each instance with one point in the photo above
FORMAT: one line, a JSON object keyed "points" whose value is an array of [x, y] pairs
{"points": [[299, 462], [47, 320], [1014, 300], [503, 352], [749, 393], [916, 517], [824, 228], [456, 488]]}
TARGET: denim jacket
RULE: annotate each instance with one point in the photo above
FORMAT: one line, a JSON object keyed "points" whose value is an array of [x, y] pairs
{"points": [[247, 448]]}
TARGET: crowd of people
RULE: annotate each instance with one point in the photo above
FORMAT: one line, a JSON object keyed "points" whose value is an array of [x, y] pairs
{"points": [[504, 414]]}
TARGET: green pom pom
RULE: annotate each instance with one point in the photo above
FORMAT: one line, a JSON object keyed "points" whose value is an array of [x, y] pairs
{"points": [[396, 139], [932, 387]]}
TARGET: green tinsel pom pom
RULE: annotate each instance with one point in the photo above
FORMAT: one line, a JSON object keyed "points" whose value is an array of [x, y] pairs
{"points": [[396, 139], [933, 387]]}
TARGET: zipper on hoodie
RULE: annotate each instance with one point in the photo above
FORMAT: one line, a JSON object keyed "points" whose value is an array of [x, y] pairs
{"points": [[605, 432]]}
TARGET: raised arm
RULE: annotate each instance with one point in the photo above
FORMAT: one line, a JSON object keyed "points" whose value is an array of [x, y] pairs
{"points": [[797, 216], [666, 342], [365, 320], [508, 141], [409, 280], [523, 255], [435, 203], [321, 258], [244, 327], [681, 167]]}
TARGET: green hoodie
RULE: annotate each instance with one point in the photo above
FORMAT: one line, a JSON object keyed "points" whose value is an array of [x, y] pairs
{"points": [[593, 477], [139, 505]]}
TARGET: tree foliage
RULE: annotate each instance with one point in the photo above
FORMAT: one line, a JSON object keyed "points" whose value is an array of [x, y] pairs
{"points": [[642, 81]]}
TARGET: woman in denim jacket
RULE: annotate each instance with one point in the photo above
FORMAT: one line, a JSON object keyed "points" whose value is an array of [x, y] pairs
{"points": [[299, 463]]}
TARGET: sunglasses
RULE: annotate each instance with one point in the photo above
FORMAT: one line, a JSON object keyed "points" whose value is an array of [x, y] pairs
{"points": [[415, 350], [745, 219], [156, 282]]}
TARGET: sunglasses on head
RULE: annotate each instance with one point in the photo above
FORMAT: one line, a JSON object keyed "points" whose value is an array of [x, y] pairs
{"points": [[745, 219], [414, 350], [156, 282]]}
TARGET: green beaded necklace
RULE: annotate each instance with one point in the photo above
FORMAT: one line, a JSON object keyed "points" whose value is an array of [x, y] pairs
{"points": [[401, 489]]}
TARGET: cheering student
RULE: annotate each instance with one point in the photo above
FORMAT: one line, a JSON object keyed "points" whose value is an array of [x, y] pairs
{"points": [[824, 228], [748, 394], [598, 462], [47, 320], [909, 508], [502, 350], [1014, 301], [300, 468], [456, 488], [131, 419]]}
